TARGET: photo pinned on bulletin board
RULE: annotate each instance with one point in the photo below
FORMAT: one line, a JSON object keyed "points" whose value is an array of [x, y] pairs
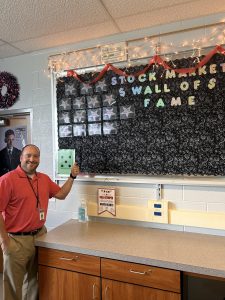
{"points": [[66, 158], [107, 201]]}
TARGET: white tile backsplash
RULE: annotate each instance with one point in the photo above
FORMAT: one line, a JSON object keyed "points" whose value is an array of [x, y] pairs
{"points": [[216, 207], [87, 188], [56, 218], [138, 223], [134, 190], [134, 201], [172, 193], [188, 205], [71, 202], [205, 194]]}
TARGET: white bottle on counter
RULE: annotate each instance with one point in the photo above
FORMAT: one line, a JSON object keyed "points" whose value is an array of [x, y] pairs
{"points": [[82, 211]]}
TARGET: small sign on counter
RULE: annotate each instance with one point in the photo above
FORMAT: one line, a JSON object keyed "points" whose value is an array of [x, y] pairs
{"points": [[107, 201]]}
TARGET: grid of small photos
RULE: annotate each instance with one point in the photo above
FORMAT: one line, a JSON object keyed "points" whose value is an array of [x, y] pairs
{"points": [[90, 110]]}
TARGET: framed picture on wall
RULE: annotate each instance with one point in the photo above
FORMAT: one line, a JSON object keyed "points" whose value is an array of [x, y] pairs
{"points": [[19, 139], [13, 139]]}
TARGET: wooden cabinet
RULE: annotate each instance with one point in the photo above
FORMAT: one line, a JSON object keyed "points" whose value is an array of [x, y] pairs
{"points": [[123, 280], [115, 290], [73, 276], [60, 284], [68, 276], [69, 261]]}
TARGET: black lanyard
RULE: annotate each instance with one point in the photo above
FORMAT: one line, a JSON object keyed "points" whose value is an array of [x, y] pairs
{"points": [[36, 195]]}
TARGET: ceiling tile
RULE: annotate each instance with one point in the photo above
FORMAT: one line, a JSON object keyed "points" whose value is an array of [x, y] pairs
{"points": [[170, 14], [118, 9], [7, 51], [26, 19], [68, 37]]}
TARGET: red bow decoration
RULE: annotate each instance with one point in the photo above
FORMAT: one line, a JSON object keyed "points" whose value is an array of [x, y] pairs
{"points": [[156, 59]]}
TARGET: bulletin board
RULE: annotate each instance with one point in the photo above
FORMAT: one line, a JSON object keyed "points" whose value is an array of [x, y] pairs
{"points": [[157, 123]]}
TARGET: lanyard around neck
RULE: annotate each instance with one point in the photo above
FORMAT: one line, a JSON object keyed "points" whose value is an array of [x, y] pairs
{"points": [[36, 195]]}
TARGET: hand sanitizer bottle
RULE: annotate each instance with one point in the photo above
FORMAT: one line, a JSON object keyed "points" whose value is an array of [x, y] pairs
{"points": [[82, 211]]}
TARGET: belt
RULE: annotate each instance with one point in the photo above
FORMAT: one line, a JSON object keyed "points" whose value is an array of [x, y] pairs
{"points": [[33, 232]]}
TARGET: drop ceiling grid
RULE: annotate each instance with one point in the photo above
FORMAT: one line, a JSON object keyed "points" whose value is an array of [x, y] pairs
{"points": [[119, 9], [27, 21], [67, 37], [27, 26], [170, 14]]}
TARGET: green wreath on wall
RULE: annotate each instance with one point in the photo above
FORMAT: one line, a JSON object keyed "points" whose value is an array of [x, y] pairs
{"points": [[9, 89]]}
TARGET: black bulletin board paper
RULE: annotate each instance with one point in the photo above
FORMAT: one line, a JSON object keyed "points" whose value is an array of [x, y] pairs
{"points": [[160, 123]]}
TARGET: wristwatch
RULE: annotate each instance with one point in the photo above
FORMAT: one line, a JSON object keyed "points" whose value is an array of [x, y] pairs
{"points": [[73, 177]]}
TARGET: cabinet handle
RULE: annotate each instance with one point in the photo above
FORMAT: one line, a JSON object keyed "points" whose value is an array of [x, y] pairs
{"points": [[106, 292], [70, 259], [141, 273], [94, 288]]}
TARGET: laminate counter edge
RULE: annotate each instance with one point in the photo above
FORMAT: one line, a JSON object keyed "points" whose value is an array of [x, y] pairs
{"points": [[182, 251]]}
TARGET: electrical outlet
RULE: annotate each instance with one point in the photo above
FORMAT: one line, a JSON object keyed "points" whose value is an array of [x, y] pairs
{"points": [[158, 211]]}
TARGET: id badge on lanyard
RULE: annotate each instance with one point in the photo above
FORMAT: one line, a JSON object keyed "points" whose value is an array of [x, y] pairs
{"points": [[41, 214], [41, 211]]}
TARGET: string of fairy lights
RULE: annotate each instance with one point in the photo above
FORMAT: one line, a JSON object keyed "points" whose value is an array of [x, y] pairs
{"points": [[169, 46]]}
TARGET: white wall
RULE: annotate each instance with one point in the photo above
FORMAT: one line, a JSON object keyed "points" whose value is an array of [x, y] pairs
{"points": [[35, 93]]}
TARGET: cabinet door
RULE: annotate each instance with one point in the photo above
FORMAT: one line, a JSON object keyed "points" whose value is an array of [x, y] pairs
{"points": [[149, 276], [69, 261], [59, 284], [114, 290]]}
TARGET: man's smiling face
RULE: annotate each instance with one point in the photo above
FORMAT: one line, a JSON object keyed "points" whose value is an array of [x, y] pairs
{"points": [[30, 159]]}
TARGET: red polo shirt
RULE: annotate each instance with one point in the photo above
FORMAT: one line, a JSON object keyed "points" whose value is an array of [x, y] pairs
{"points": [[18, 201]]}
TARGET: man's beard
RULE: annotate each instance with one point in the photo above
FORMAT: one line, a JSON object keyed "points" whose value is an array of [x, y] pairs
{"points": [[28, 170]]}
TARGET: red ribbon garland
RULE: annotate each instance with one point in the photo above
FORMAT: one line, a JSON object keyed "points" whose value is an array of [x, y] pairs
{"points": [[154, 60]]}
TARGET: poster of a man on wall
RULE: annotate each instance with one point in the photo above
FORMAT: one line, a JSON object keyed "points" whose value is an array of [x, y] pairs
{"points": [[13, 139]]}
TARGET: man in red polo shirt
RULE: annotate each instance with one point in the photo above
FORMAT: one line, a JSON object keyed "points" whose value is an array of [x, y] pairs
{"points": [[24, 196]]}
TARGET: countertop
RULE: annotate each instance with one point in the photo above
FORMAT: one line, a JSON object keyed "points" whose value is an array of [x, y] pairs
{"points": [[190, 252]]}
